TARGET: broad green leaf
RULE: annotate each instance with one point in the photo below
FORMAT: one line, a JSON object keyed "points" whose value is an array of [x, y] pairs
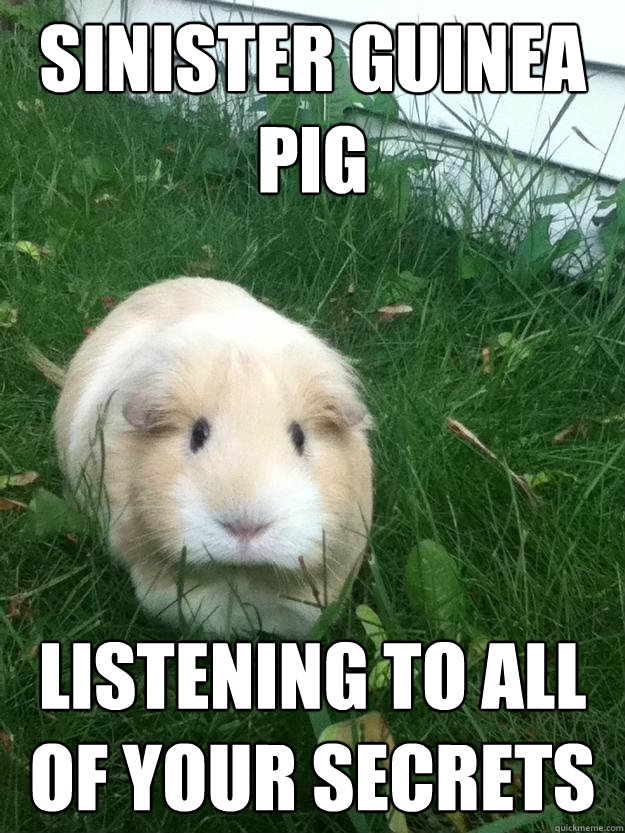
{"points": [[372, 626], [216, 160], [396, 185], [409, 282], [49, 515], [329, 108], [380, 676], [283, 108], [434, 586], [383, 104], [536, 246], [473, 265], [563, 197], [567, 244], [259, 105]]}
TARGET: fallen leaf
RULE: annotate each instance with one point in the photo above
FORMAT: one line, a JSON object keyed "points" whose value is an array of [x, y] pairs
{"points": [[351, 289], [486, 360], [32, 249], [88, 330], [103, 199], [579, 133], [577, 428], [459, 821], [20, 608], [6, 742], [108, 302], [368, 728], [170, 148], [34, 651], [23, 478], [8, 505], [542, 478], [473, 440], [8, 315], [393, 311]]}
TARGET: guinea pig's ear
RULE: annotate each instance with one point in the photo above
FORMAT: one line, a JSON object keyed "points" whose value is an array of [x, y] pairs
{"points": [[145, 399], [140, 412], [356, 415], [336, 403]]}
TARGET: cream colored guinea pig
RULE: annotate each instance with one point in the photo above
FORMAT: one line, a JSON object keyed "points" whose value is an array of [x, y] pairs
{"points": [[222, 446]]}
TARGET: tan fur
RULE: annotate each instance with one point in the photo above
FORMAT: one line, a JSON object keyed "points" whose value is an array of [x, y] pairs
{"points": [[252, 395]]}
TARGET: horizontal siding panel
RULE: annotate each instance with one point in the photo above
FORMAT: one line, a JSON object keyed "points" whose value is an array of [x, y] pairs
{"points": [[602, 23], [521, 121], [433, 123]]}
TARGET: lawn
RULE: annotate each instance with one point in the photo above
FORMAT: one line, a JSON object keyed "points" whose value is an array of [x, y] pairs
{"points": [[114, 194]]}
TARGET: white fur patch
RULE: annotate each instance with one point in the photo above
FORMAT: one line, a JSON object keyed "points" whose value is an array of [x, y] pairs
{"points": [[104, 379], [291, 505], [223, 608], [247, 327]]}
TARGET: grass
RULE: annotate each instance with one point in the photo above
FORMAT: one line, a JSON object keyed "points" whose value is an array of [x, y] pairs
{"points": [[122, 194]]}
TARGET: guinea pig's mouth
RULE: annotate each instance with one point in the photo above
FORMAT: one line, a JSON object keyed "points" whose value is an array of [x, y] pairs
{"points": [[247, 542], [260, 545]]}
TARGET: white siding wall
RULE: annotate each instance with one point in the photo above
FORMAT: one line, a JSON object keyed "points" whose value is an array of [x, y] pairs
{"points": [[588, 139]]}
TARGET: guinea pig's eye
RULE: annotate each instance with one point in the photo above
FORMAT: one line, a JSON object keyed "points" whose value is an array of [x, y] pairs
{"points": [[199, 434], [297, 436]]}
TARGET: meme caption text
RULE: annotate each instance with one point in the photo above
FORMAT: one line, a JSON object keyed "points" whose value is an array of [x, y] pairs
{"points": [[266, 676], [414, 58]]}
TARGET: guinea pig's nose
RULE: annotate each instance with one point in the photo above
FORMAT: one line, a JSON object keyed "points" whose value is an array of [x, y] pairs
{"points": [[244, 530]]}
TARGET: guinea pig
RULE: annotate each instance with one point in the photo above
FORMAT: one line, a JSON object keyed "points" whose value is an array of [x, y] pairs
{"points": [[224, 449]]}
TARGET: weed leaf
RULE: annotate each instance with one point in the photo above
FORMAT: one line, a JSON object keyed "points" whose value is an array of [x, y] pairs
{"points": [[434, 585], [49, 515]]}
